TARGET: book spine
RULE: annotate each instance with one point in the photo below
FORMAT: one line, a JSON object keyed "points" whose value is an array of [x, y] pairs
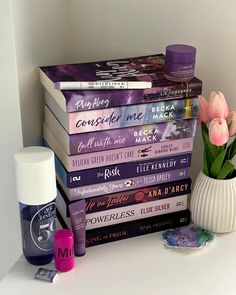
{"points": [[121, 171], [123, 184], [126, 116], [87, 85], [148, 194], [133, 136], [132, 197], [119, 138], [95, 100], [117, 156], [133, 212], [135, 228], [132, 115]]}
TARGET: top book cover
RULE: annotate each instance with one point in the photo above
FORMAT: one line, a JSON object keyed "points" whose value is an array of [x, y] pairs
{"points": [[145, 69]]}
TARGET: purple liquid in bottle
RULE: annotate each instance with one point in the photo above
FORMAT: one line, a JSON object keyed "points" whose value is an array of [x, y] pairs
{"points": [[38, 225]]}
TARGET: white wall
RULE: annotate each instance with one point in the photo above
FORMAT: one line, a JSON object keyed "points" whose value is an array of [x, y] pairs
{"points": [[11, 140], [114, 29], [41, 36]]}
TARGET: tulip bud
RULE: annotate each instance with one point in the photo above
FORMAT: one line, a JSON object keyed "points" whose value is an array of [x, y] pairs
{"points": [[218, 107], [203, 110], [231, 121], [218, 131]]}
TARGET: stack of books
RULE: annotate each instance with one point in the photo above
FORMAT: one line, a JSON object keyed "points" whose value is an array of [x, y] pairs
{"points": [[124, 149]]}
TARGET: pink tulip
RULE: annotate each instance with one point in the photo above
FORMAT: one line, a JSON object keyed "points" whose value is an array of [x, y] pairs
{"points": [[203, 110], [218, 131], [218, 107], [231, 121]]}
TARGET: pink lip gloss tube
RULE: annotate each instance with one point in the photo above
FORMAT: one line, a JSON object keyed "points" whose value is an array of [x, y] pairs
{"points": [[64, 250]]}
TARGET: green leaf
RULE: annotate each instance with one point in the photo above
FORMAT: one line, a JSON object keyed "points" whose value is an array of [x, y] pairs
{"points": [[221, 148], [226, 169], [217, 164], [232, 174], [206, 163], [231, 150], [212, 149], [209, 156]]}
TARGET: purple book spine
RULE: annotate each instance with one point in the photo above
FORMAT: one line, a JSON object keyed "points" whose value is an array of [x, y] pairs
{"points": [[144, 68], [132, 197], [131, 136], [133, 115], [121, 171], [126, 116], [118, 156], [135, 212], [136, 228], [94, 100], [132, 229], [148, 194], [123, 184]]}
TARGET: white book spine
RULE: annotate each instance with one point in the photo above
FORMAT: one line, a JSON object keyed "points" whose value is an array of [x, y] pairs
{"points": [[141, 211], [83, 85], [134, 212]]}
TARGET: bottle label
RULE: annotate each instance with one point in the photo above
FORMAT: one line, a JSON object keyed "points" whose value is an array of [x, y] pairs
{"points": [[43, 226], [180, 70]]}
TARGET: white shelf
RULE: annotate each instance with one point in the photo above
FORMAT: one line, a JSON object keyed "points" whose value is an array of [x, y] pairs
{"points": [[141, 265], [57, 31]]}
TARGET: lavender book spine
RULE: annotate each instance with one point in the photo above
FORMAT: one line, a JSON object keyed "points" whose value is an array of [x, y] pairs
{"points": [[143, 195], [134, 115], [133, 212], [121, 171], [136, 228], [131, 197], [118, 156], [132, 229], [145, 68], [131, 136], [95, 100], [122, 185], [137, 211]]}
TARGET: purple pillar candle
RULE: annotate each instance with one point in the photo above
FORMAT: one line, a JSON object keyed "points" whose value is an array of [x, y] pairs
{"points": [[180, 62]]}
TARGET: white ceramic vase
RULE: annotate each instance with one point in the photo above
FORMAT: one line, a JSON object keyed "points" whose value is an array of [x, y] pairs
{"points": [[213, 204]]}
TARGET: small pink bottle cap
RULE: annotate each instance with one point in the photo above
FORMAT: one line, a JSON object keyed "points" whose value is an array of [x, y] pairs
{"points": [[64, 250]]}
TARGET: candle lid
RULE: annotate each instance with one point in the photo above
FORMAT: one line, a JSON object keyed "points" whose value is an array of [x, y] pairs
{"points": [[180, 53]]}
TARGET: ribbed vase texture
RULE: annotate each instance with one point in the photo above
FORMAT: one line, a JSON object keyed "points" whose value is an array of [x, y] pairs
{"points": [[213, 204]]}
